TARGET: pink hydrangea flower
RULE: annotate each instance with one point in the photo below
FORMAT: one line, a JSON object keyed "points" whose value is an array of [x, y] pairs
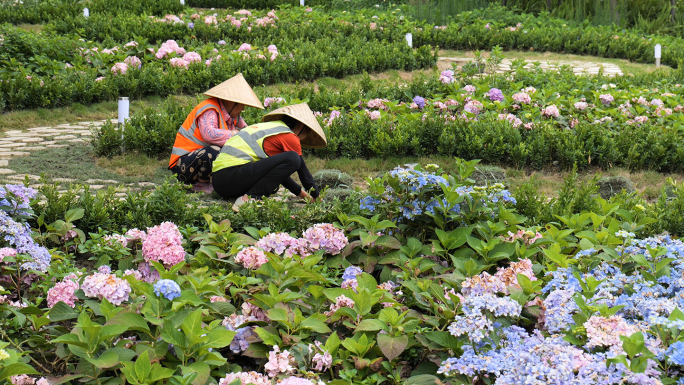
{"points": [[245, 47], [606, 99], [191, 57], [245, 378], [131, 44], [194, 16], [581, 105], [164, 244], [101, 78], [522, 97], [216, 298], [322, 360], [473, 106], [63, 291], [251, 258], [551, 111], [275, 243], [656, 102], [236, 23], [22, 379], [469, 89], [250, 310], [99, 285], [296, 381], [133, 61], [115, 238], [244, 12], [512, 119], [210, 20], [606, 332], [374, 115], [325, 236], [179, 62], [447, 77], [119, 68], [134, 235], [340, 302], [42, 381], [279, 363], [488, 26], [135, 273], [7, 252], [268, 102]]}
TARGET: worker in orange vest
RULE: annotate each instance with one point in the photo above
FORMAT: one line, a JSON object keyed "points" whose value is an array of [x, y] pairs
{"points": [[207, 128]]}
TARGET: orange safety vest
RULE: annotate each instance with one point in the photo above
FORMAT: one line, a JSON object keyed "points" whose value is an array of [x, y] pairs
{"points": [[189, 138]]}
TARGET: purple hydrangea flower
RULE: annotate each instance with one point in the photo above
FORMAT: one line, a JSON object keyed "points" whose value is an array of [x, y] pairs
{"points": [[495, 95], [420, 102]]}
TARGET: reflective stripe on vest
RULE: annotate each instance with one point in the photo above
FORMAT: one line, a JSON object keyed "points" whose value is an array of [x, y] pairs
{"points": [[189, 138], [248, 145]]}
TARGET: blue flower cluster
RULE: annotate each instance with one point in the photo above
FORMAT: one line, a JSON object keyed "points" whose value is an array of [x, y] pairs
{"points": [[168, 288], [19, 235], [15, 199], [351, 272]]}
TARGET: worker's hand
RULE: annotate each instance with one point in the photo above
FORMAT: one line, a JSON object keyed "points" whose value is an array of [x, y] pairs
{"points": [[304, 195]]}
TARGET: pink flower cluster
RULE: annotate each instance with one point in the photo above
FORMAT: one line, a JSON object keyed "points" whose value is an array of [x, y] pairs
{"points": [[606, 332], [446, 77], [527, 237], [469, 89], [178, 62], [512, 119], [334, 114], [268, 102], [581, 105], [551, 111], [164, 244], [340, 302], [296, 381], [326, 237], [99, 285], [170, 46], [522, 97], [64, 291], [273, 50], [374, 115], [119, 68], [134, 235], [606, 99], [145, 273], [22, 379], [216, 298], [378, 103], [251, 258], [253, 311], [113, 239], [7, 252], [498, 283], [245, 47], [245, 378], [133, 61], [322, 359], [473, 106], [279, 363]]}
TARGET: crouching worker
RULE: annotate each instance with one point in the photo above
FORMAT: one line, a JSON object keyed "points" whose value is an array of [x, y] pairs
{"points": [[206, 130], [260, 158]]}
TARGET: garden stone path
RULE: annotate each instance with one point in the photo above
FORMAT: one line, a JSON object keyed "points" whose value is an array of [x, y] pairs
{"points": [[16, 143], [578, 67]]}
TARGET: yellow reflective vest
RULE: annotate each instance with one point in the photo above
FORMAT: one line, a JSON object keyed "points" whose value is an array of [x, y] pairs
{"points": [[247, 145]]}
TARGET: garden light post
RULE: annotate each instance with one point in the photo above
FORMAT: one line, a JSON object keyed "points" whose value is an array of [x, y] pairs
{"points": [[123, 116], [86, 12], [409, 39], [657, 55]]}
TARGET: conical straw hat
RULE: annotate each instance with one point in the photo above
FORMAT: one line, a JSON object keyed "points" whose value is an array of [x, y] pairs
{"points": [[301, 112], [236, 90]]}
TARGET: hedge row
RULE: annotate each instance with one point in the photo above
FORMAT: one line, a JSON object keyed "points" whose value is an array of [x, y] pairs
{"points": [[39, 12], [326, 57]]}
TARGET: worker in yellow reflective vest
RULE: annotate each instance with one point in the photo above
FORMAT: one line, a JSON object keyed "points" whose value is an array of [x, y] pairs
{"points": [[206, 130], [260, 158]]}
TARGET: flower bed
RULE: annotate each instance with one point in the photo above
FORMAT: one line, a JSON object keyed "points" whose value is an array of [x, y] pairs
{"points": [[453, 288]]}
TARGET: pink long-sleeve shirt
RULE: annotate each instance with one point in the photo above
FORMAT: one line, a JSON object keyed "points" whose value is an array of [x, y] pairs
{"points": [[208, 124]]}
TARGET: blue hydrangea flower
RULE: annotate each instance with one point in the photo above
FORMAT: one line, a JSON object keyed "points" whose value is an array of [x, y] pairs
{"points": [[191, 25], [675, 353], [351, 272], [168, 288]]}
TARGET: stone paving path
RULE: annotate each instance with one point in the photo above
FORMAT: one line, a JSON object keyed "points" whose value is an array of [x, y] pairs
{"points": [[578, 67], [16, 143]]}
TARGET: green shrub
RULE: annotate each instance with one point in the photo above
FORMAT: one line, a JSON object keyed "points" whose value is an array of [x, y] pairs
{"points": [[333, 179], [611, 186]]}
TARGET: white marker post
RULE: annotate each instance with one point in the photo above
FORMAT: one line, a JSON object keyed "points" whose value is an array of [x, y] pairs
{"points": [[182, 2], [123, 117], [409, 39], [301, 2], [657, 55], [86, 12]]}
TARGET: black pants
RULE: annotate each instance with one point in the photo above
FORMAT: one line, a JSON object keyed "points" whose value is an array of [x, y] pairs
{"points": [[192, 167], [256, 179]]}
